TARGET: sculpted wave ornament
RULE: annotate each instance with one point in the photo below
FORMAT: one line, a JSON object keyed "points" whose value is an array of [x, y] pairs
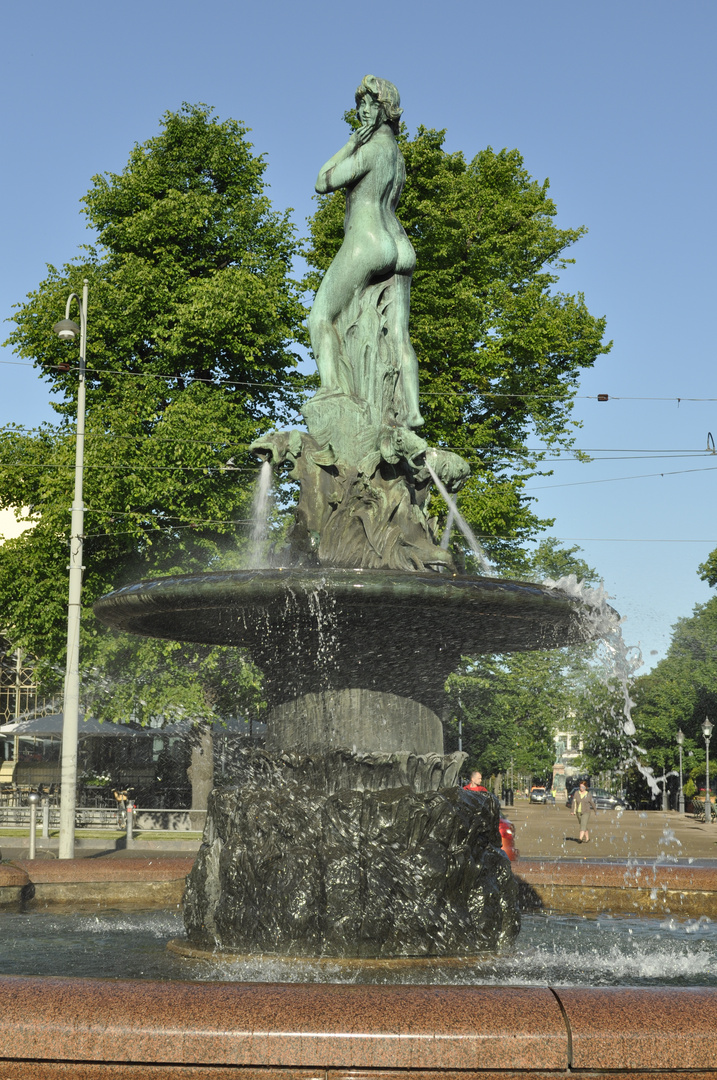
{"points": [[362, 467]]}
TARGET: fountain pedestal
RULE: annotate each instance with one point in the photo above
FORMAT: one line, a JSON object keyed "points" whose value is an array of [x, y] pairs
{"points": [[350, 855], [355, 717], [356, 641], [349, 836]]}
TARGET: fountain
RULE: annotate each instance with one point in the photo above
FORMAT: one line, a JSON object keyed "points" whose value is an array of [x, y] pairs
{"points": [[345, 847], [348, 837]]}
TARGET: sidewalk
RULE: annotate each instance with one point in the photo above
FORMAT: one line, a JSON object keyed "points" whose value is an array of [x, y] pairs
{"points": [[551, 832], [541, 832], [112, 845]]}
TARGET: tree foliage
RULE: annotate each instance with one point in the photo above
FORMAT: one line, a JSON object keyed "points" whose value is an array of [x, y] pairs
{"points": [[192, 316], [499, 349], [511, 705], [680, 692]]}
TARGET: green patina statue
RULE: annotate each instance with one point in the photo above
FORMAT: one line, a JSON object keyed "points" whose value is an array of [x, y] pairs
{"points": [[362, 468], [372, 272]]}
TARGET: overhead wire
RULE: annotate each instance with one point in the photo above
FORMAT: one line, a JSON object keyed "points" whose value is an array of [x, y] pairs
{"points": [[615, 479], [189, 379]]}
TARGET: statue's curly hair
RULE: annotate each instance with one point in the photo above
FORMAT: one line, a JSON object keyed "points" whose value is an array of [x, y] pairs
{"points": [[387, 96]]}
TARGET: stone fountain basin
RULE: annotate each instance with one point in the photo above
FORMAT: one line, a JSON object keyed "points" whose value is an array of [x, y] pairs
{"points": [[311, 630]]}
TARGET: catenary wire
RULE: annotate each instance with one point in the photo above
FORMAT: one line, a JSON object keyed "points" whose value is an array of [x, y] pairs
{"points": [[615, 479], [188, 380]]}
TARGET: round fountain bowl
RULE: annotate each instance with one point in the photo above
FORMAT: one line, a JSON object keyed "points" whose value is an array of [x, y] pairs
{"points": [[323, 631]]}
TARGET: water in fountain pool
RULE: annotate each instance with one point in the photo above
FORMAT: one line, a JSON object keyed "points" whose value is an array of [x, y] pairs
{"points": [[551, 950]]}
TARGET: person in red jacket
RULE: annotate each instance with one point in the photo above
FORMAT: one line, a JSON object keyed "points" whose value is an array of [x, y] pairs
{"points": [[476, 783]]}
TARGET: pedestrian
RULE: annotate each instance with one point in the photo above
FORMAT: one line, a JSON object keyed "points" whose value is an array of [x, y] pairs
{"points": [[476, 782], [121, 795], [582, 806]]}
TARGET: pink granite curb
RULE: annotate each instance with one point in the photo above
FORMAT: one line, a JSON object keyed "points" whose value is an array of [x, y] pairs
{"points": [[586, 888], [66, 871], [284, 1029]]}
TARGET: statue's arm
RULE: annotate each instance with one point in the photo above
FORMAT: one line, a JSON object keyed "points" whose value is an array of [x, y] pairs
{"points": [[344, 168]]}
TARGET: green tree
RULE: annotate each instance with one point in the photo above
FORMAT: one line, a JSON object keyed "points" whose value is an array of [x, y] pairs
{"points": [[511, 705], [500, 350], [680, 692], [192, 317], [708, 569], [599, 718]]}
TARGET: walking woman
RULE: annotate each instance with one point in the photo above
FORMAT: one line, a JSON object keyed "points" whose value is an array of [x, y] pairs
{"points": [[582, 806]]}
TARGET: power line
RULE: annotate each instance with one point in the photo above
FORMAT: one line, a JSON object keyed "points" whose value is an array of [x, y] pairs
{"points": [[448, 392], [134, 467], [560, 454], [148, 513], [631, 540], [216, 468], [614, 479], [161, 439], [198, 523]]}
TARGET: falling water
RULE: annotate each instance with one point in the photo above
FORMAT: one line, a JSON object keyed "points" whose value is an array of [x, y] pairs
{"points": [[462, 524], [620, 661], [447, 531], [260, 518]]}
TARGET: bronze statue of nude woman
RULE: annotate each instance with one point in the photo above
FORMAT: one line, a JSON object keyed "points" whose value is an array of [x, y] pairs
{"points": [[375, 249]]}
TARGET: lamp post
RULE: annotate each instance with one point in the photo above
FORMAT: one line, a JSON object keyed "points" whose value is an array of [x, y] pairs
{"points": [[707, 732], [68, 331], [680, 740]]}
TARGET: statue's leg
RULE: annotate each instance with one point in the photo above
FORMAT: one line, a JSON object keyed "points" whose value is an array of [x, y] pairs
{"points": [[350, 272], [324, 339], [407, 354], [343, 277]]}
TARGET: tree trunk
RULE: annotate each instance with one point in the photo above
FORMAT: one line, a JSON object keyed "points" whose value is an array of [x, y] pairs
{"points": [[201, 772]]}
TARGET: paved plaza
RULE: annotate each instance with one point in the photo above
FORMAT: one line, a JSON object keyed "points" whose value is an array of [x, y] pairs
{"points": [[552, 832], [541, 832]]}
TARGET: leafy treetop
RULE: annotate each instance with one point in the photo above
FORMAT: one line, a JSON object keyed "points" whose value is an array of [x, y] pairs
{"points": [[499, 351], [192, 319]]}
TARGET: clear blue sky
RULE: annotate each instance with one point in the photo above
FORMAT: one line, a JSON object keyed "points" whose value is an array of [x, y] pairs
{"points": [[613, 101]]}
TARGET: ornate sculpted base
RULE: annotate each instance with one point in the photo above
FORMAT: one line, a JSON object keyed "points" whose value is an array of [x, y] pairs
{"points": [[364, 489], [351, 855]]}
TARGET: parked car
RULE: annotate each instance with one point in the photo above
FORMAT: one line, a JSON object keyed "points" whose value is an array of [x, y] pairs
{"points": [[537, 794], [507, 838]]}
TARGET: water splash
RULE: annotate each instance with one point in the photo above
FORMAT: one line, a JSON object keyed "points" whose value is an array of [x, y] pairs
{"points": [[552, 950], [447, 531], [453, 511], [260, 518], [619, 662]]}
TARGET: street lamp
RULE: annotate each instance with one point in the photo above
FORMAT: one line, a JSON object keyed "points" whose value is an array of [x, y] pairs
{"points": [[680, 740], [68, 331], [707, 732]]}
